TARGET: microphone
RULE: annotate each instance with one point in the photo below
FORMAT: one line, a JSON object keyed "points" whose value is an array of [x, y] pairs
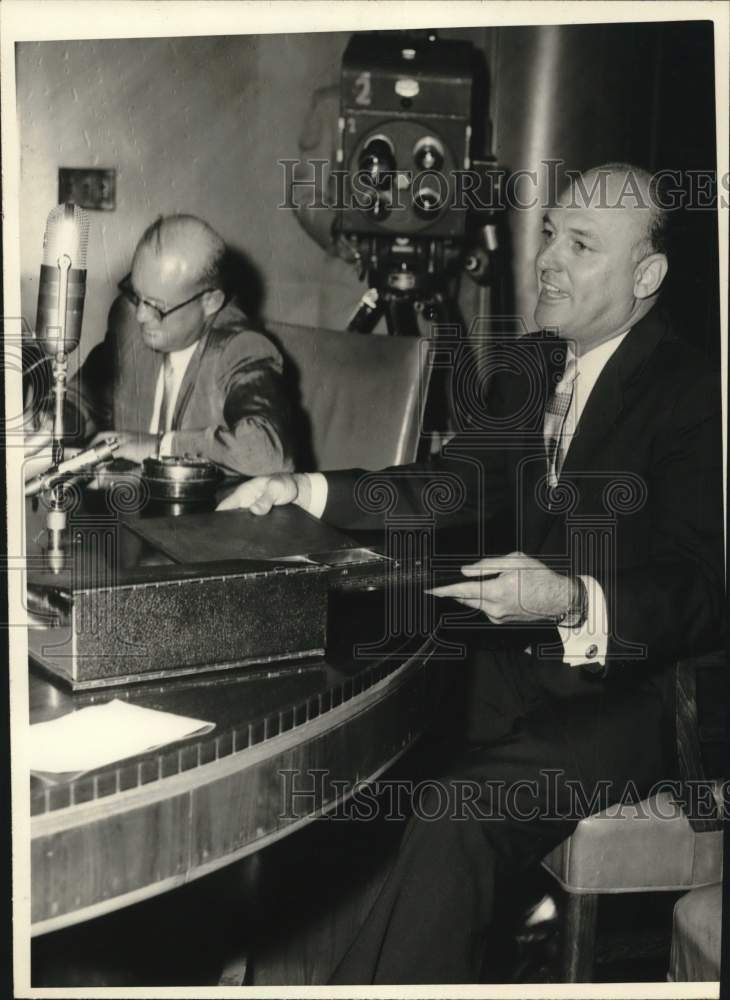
{"points": [[62, 283], [61, 300], [83, 462]]}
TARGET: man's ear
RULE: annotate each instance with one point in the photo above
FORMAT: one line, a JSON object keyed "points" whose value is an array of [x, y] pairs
{"points": [[213, 301], [649, 273]]}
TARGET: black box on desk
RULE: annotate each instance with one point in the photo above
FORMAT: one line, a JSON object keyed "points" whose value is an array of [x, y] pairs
{"points": [[142, 598], [149, 629]]}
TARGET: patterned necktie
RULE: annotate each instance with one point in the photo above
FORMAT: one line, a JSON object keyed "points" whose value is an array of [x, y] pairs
{"points": [[556, 411], [166, 408]]}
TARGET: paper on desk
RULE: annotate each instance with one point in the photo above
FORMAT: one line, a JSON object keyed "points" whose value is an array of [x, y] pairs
{"points": [[103, 734]]}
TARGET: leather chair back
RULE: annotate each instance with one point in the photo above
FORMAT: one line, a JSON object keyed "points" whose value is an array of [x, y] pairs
{"points": [[362, 395]]}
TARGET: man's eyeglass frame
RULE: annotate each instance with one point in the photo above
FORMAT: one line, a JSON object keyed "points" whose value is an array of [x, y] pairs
{"points": [[131, 296]]}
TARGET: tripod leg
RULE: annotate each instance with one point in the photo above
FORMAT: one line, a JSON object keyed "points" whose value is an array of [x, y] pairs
{"points": [[439, 417], [369, 310]]}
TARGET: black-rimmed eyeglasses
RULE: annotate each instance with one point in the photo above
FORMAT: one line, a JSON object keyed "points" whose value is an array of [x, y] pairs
{"points": [[125, 287]]}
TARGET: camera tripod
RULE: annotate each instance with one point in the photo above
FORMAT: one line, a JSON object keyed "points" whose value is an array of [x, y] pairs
{"points": [[406, 279], [435, 308], [402, 310]]}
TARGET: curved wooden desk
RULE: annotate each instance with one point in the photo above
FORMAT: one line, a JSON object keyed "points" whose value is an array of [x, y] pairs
{"points": [[127, 832]]}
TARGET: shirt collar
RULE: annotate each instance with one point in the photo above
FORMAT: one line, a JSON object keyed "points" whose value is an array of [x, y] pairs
{"points": [[594, 360], [179, 359]]}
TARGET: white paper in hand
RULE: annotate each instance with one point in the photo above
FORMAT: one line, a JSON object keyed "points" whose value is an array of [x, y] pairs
{"points": [[103, 734]]}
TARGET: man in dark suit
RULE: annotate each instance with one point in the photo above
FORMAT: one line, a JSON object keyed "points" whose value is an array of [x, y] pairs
{"points": [[180, 371], [597, 469]]}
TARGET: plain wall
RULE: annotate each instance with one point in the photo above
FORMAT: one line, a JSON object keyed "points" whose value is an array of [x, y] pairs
{"points": [[190, 124], [591, 94]]}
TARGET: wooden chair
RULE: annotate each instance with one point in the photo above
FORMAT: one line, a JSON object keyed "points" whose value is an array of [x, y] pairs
{"points": [[649, 847], [363, 396]]}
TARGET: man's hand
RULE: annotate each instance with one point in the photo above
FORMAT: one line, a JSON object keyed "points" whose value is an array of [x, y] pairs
{"points": [[262, 493], [133, 445], [518, 589]]}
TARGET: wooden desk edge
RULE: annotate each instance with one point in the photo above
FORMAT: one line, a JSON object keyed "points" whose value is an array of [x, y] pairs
{"points": [[183, 806]]}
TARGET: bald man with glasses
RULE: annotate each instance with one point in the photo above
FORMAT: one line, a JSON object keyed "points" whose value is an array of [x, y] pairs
{"points": [[180, 371]]}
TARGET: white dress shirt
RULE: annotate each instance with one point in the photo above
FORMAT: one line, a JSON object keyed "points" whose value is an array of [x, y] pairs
{"points": [[590, 364], [179, 361], [586, 643]]}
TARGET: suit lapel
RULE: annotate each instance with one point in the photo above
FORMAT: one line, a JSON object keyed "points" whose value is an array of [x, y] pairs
{"points": [[147, 364], [607, 399], [597, 421], [189, 379], [599, 416]]}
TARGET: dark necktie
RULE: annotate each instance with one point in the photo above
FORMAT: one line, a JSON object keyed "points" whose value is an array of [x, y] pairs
{"points": [[166, 409]]}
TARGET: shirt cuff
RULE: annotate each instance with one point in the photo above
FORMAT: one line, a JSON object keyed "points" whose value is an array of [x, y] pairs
{"points": [[588, 643], [317, 500]]}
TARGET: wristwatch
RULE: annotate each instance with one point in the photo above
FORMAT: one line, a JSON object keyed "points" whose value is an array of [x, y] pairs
{"points": [[577, 611]]}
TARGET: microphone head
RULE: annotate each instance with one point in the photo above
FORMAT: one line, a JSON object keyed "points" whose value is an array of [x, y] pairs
{"points": [[65, 246], [67, 232]]}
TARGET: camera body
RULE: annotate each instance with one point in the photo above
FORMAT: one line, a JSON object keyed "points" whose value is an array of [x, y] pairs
{"points": [[404, 135]]}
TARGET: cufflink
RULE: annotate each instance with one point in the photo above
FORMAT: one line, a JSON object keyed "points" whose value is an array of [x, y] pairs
{"points": [[592, 651]]}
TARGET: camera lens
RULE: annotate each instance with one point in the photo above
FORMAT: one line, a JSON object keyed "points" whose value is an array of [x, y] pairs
{"points": [[428, 153], [427, 200], [377, 160]]}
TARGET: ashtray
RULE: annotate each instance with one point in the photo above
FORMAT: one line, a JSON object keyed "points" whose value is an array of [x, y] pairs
{"points": [[181, 478]]}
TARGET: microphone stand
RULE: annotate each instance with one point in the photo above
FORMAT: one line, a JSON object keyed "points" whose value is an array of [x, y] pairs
{"points": [[56, 516], [60, 361]]}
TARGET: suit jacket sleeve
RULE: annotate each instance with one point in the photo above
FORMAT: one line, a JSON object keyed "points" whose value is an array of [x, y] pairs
{"points": [[255, 434], [674, 604], [457, 488]]}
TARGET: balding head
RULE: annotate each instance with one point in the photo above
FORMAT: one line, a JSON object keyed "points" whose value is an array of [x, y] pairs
{"points": [[599, 268], [177, 281], [187, 247], [624, 186]]}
